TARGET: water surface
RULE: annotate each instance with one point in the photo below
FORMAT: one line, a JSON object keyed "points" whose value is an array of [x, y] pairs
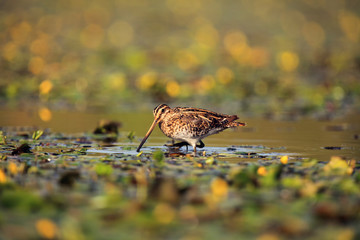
{"points": [[306, 137]]}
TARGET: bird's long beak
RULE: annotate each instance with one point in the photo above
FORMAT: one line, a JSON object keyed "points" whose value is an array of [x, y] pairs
{"points": [[147, 134]]}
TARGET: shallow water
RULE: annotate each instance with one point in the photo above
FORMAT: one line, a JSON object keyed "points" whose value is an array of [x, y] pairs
{"points": [[307, 138]]}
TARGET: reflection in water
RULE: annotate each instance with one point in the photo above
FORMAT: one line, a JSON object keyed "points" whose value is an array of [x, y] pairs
{"points": [[307, 137]]}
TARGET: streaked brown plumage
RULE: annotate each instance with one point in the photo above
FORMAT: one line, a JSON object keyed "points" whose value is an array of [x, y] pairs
{"points": [[189, 124]]}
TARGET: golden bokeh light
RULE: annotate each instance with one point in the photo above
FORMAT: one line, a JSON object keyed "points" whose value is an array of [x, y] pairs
{"points": [[205, 84], [147, 80], [40, 46], [207, 36], [36, 65], [235, 43], [262, 171], [172, 88], [284, 159], [219, 188], [350, 25], [45, 114], [21, 32], [314, 34], [13, 169], [92, 36], [224, 75], [288, 61], [46, 228], [10, 51], [116, 81], [186, 60], [45, 87], [2, 176]]}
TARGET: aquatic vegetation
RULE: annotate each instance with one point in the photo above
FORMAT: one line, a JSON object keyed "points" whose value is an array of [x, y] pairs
{"points": [[79, 187]]}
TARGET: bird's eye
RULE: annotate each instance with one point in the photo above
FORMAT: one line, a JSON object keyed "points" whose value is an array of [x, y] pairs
{"points": [[162, 110]]}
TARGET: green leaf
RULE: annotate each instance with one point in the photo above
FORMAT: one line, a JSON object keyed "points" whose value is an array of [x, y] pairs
{"points": [[37, 134]]}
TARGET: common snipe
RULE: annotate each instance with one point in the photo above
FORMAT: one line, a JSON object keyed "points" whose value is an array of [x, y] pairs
{"points": [[189, 125]]}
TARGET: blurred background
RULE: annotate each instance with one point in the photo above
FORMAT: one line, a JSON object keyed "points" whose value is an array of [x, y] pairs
{"points": [[262, 57]]}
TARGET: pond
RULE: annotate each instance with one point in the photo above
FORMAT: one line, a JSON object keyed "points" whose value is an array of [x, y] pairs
{"points": [[307, 137]]}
